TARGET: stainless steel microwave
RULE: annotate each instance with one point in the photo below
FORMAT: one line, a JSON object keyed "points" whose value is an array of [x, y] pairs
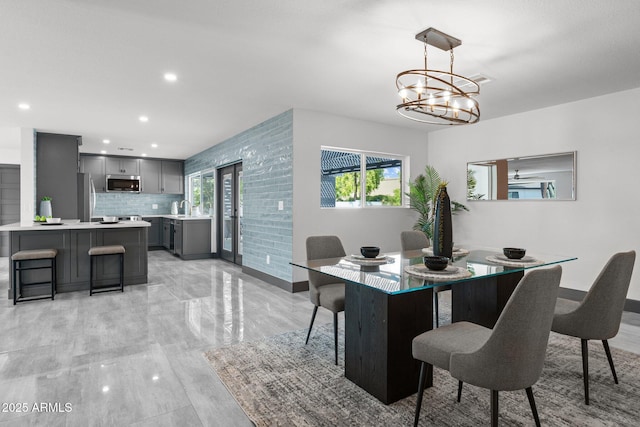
{"points": [[123, 183]]}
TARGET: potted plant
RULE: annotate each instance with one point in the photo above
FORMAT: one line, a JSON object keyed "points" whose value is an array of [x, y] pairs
{"points": [[422, 195], [45, 207]]}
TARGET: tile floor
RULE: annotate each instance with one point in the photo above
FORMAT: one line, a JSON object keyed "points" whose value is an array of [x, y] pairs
{"points": [[135, 359]]}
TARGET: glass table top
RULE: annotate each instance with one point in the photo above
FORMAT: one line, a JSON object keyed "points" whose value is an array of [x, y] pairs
{"points": [[399, 272]]}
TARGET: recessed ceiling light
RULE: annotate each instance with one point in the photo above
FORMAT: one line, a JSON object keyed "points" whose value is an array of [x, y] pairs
{"points": [[143, 119], [144, 154], [103, 151], [106, 141], [24, 106], [170, 77], [154, 145]]}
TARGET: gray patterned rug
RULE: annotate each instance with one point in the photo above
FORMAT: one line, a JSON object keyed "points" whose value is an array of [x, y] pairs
{"points": [[280, 381]]}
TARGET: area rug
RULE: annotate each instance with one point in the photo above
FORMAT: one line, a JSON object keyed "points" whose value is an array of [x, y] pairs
{"points": [[279, 381]]}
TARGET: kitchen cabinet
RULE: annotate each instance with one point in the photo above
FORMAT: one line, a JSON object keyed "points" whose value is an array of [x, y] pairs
{"points": [[167, 233], [162, 176], [155, 232], [122, 166], [150, 175], [156, 176], [192, 238], [177, 238], [95, 167], [172, 177], [57, 172]]}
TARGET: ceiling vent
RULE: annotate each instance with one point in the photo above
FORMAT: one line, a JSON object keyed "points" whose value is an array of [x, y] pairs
{"points": [[481, 79], [125, 149]]}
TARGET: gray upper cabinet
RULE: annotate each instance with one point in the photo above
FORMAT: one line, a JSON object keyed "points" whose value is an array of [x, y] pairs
{"points": [[172, 177], [94, 166], [122, 166], [150, 175], [157, 176]]}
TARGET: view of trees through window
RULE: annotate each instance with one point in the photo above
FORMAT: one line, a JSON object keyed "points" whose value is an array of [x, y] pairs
{"points": [[342, 186], [201, 191]]}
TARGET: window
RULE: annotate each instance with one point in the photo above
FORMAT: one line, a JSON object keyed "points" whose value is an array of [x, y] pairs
{"points": [[341, 184], [201, 192]]}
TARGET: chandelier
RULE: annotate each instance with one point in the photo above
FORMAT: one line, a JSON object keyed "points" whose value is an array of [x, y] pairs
{"points": [[438, 97]]}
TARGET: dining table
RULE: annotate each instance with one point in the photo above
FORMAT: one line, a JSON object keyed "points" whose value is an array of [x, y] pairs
{"points": [[389, 301]]}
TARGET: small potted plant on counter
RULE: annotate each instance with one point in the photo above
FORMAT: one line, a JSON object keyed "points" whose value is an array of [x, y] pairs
{"points": [[45, 207]]}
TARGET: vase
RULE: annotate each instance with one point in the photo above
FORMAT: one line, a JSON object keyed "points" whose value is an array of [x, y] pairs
{"points": [[45, 208], [442, 226]]}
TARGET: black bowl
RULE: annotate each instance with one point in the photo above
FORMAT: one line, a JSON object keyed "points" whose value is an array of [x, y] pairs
{"points": [[436, 262], [514, 253], [369, 251]]}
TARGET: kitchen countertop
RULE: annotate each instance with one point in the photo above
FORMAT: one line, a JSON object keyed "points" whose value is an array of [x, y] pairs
{"points": [[72, 226], [181, 217]]}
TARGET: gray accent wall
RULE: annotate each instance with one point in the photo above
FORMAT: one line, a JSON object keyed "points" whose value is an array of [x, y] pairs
{"points": [[266, 153]]}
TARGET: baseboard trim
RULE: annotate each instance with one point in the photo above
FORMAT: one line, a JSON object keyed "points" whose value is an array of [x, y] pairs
{"points": [[276, 281], [576, 295]]}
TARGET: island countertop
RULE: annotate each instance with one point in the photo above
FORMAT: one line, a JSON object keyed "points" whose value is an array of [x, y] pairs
{"points": [[36, 226]]}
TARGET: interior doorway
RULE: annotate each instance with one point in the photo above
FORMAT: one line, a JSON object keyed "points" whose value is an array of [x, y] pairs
{"points": [[230, 213]]}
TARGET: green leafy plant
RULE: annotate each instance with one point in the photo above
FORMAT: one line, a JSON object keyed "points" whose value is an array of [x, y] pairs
{"points": [[46, 199], [422, 195]]}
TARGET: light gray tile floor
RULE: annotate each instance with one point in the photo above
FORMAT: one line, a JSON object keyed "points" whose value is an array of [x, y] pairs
{"points": [[137, 358]]}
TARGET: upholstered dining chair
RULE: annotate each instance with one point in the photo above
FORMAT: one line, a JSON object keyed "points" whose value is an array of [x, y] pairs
{"points": [[509, 357], [598, 315], [416, 240], [325, 291]]}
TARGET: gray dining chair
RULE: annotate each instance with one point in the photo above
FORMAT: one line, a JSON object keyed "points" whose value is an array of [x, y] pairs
{"points": [[598, 315], [325, 291], [509, 357], [416, 240]]}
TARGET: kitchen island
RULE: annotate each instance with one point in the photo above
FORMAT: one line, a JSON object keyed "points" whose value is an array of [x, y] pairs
{"points": [[73, 240]]}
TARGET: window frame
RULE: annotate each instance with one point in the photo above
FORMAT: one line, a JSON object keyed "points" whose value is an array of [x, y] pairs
{"points": [[362, 202]]}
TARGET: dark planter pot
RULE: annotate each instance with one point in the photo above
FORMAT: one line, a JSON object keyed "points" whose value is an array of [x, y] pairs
{"points": [[442, 226]]}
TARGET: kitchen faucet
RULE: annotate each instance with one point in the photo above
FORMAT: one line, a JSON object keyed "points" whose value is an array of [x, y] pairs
{"points": [[187, 206]]}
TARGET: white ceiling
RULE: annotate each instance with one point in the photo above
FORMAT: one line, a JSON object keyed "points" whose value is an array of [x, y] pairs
{"points": [[91, 67]]}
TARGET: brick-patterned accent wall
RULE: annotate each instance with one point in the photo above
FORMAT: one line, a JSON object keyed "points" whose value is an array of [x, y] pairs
{"points": [[134, 204], [266, 153]]}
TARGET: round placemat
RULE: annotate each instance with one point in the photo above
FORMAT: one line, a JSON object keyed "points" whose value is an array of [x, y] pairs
{"points": [[449, 274], [456, 252], [369, 261], [514, 262]]}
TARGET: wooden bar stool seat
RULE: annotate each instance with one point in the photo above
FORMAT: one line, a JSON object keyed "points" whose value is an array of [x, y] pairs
{"points": [[97, 251], [33, 255]]}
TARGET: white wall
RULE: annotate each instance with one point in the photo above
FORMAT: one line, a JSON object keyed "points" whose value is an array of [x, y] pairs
{"points": [[605, 218], [356, 227], [27, 176], [10, 146]]}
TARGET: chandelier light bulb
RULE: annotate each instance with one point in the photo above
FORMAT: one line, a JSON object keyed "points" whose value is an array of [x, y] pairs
{"points": [[403, 93], [446, 95]]}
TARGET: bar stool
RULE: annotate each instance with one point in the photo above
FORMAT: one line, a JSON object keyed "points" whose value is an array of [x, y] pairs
{"points": [[97, 251], [32, 255]]}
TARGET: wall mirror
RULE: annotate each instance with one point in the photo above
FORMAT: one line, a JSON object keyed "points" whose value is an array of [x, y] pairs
{"points": [[544, 177]]}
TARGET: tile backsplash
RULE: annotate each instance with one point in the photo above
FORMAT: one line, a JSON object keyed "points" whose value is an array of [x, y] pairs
{"points": [[134, 204]]}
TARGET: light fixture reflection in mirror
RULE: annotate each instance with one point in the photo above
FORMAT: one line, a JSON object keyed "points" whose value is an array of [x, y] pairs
{"points": [[544, 177]]}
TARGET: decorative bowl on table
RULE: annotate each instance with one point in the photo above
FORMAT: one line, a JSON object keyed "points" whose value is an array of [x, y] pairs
{"points": [[109, 219], [369, 251], [436, 262], [53, 220], [514, 253]]}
